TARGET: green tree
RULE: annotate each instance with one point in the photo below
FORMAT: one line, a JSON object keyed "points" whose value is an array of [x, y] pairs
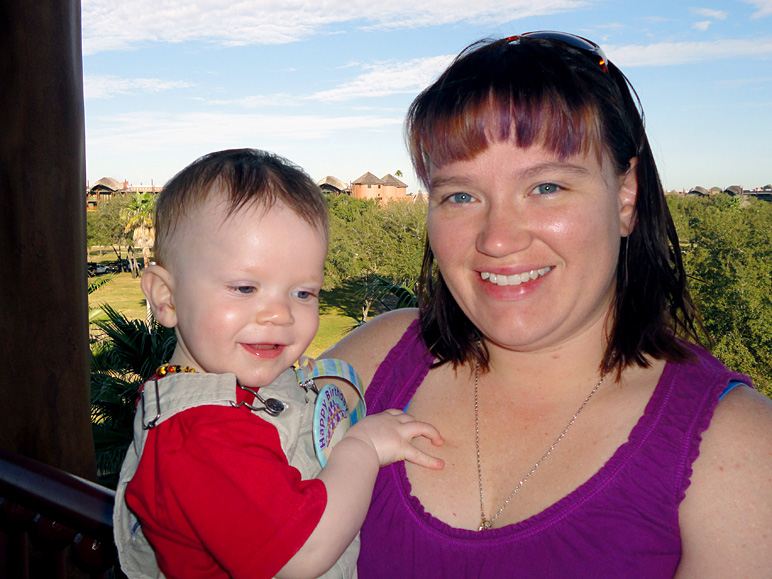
{"points": [[105, 225], [351, 236], [138, 216], [403, 227], [728, 257], [368, 239]]}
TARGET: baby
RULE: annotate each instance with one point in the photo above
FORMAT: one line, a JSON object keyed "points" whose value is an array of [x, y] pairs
{"points": [[222, 480]]}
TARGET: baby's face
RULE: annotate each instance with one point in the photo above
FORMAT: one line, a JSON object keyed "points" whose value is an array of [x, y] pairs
{"points": [[245, 290]]}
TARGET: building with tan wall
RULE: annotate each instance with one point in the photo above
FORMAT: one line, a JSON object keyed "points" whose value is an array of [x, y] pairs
{"points": [[107, 188], [368, 186]]}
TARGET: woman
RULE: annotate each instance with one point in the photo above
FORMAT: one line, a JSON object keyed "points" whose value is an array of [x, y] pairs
{"points": [[584, 437]]}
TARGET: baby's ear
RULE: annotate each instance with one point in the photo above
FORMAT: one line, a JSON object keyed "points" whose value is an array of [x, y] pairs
{"points": [[158, 285]]}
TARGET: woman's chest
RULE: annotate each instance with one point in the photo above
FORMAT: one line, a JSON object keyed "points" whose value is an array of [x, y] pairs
{"points": [[508, 458]]}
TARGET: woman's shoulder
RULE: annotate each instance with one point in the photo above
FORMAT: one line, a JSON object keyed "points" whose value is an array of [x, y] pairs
{"points": [[367, 346], [725, 517], [741, 424]]}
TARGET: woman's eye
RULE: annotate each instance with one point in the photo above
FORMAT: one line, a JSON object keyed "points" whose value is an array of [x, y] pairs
{"points": [[460, 198], [546, 189]]}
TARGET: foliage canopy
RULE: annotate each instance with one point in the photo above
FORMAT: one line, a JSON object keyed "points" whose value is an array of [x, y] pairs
{"points": [[368, 239], [727, 247]]}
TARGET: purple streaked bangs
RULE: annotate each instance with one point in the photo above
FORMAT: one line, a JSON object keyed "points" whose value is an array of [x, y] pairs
{"points": [[530, 93]]}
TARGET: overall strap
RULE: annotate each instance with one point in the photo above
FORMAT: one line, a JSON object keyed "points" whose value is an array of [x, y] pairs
{"points": [[162, 399]]}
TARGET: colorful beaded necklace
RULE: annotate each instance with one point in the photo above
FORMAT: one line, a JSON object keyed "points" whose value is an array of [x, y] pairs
{"points": [[165, 369]]}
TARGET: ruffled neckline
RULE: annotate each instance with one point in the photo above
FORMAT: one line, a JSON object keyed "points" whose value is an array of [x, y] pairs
{"points": [[568, 504]]}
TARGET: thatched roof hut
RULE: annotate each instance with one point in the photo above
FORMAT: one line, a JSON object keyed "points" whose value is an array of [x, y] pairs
{"points": [[391, 180], [107, 184], [332, 184], [368, 179]]}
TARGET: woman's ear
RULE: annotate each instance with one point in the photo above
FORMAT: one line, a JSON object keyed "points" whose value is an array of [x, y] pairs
{"points": [[628, 193], [158, 285]]}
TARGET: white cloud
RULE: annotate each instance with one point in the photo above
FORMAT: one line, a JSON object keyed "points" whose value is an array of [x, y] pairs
{"points": [[389, 78], [153, 131], [378, 80], [409, 14], [259, 101], [118, 25], [704, 25], [669, 53], [100, 86], [756, 80], [710, 13], [764, 7]]}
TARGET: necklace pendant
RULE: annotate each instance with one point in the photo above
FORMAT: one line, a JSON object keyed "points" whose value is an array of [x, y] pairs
{"points": [[485, 525]]}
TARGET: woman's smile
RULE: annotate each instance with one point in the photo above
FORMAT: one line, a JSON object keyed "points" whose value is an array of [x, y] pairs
{"points": [[514, 279], [523, 235]]}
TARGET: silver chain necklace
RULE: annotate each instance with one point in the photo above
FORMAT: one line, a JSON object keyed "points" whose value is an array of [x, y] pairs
{"points": [[486, 523]]}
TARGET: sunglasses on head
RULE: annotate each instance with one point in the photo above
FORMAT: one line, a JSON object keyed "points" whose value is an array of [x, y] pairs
{"points": [[582, 44]]}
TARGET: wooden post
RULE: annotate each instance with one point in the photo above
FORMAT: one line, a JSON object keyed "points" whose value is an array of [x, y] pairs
{"points": [[44, 364]]}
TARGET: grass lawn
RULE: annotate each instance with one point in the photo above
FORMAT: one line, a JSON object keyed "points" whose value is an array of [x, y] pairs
{"points": [[123, 294], [337, 308]]}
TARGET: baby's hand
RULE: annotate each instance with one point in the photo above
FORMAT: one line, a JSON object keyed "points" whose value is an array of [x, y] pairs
{"points": [[389, 434]]}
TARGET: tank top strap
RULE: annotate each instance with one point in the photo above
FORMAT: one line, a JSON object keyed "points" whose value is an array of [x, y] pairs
{"points": [[400, 373]]}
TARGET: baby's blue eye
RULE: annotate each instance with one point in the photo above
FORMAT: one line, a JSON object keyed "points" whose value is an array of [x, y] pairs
{"points": [[546, 189], [245, 289], [303, 295], [460, 198]]}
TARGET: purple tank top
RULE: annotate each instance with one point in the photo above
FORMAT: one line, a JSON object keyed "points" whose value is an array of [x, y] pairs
{"points": [[623, 522]]}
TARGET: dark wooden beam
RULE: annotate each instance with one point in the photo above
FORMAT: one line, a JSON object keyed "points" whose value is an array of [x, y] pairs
{"points": [[44, 372]]}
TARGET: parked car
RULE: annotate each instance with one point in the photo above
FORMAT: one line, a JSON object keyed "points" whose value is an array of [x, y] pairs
{"points": [[96, 269], [119, 265]]}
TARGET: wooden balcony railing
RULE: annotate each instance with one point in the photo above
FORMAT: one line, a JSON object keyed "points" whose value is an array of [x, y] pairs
{"points": [[51, 520]]}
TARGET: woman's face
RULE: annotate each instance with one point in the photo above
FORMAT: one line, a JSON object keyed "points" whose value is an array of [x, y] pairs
{"points": [[528, 244]]}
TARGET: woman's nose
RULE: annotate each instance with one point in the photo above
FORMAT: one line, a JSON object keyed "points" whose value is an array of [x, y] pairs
{"points": [[503, 231]]}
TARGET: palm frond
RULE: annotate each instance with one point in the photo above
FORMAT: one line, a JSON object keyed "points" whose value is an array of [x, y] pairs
{"points": [[389, 294], [126, 355], [134, 347], [381, 294], [96, 282]]}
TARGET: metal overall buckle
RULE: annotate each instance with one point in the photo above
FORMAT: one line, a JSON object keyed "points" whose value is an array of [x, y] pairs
{"points": [[154, 421], [272, 406]]}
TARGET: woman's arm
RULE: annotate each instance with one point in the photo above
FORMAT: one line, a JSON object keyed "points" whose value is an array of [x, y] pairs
{"points": [[726, 517]]}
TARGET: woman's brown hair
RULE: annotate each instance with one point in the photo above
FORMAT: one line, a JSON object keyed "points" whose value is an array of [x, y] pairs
{"points": [[546, 92]]}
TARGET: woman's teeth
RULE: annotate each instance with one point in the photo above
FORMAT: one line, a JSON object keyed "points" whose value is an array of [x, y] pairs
{"points": [[515, 279]]}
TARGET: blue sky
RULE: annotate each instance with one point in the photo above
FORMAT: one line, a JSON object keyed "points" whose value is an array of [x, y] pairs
{"points": [[327, 83]]}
